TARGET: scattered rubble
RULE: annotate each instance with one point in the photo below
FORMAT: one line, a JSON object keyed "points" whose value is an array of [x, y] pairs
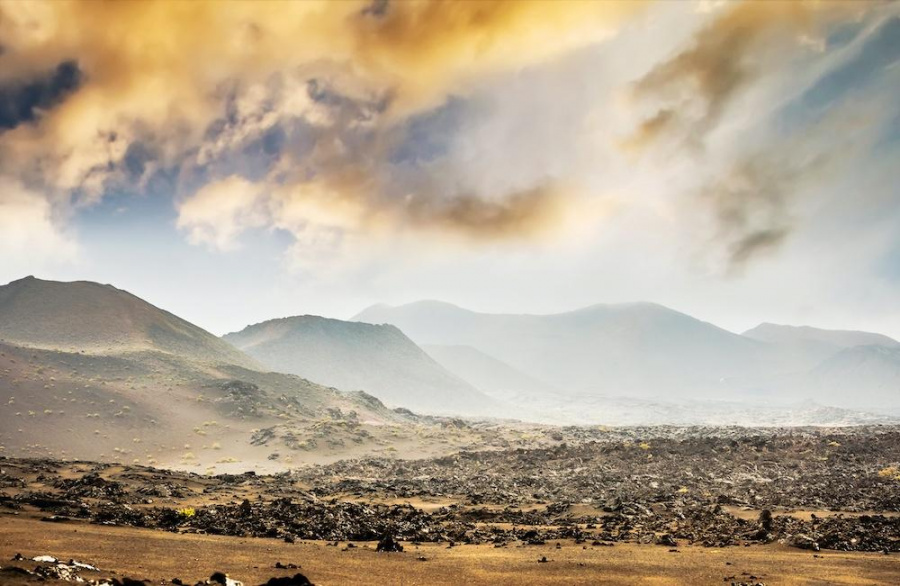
{"points": [[388, 544], [222, 579], [714, 487], [50, 568]]}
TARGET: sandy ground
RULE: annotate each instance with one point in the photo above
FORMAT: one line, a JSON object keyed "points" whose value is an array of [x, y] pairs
{"points": [[161, 556]]}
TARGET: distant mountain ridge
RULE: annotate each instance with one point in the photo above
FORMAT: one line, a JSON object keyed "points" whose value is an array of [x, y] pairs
{"points": [[378, 359], [603, 363], [805, 347], [645, 350], [775, 333], [634, 349]]}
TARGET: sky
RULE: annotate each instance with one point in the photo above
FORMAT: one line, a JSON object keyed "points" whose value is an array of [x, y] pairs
{"points": [[235, 162]]}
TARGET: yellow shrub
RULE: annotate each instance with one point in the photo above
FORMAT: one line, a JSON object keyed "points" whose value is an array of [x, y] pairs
{"points": [[890, 472]]}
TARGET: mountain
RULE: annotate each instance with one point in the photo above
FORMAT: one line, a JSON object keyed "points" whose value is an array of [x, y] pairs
{"points": [[92, 372], [100, 319], [651, 355], [634, 349], [804, 347], [780, 334], [492, 376], [860, 377], [378, 359]]}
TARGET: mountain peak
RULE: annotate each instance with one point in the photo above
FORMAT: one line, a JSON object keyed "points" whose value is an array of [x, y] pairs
{"points": [[351, 355], [375, 314], [95, 318], [787, 334]]}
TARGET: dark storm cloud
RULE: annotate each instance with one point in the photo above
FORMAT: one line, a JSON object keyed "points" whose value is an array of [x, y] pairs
{"points": [[755, 243], [22, 101]]}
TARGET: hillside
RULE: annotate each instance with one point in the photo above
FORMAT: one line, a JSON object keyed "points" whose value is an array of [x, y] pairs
{"points": [[492, 376], [89, 371], [803, 347], [378, 359], [99, 319], [636, 349], [780, 334], [860, 377]]}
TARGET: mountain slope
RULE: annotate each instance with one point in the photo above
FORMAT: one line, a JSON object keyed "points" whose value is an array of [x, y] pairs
{"points": [[780, 334], [861, 377], [378, 359], [804, 347], [91, 372], [636, 349], [94, 318], [492, 376]]}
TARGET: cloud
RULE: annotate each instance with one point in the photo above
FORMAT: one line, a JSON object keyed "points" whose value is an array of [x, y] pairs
{"points": [[767, 191], [321, 215], [524, 213], [750, 207], [749, 105], [294, 97], [692, 90], [170, 78], [29, 231], [428, 44], [342, 121], [220, 212], [22, 101]]}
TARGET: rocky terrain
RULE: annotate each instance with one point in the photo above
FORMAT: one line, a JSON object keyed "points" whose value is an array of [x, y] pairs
{"points": [[158, 409], [550, 491], [813, 489]]}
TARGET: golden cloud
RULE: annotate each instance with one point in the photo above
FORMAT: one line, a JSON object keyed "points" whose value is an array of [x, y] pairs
{"points": [[162, 72], [161, 67]]}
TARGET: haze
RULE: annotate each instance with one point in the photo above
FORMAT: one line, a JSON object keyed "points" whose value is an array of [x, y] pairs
{"points": [[445, 292], [734, 161]]}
